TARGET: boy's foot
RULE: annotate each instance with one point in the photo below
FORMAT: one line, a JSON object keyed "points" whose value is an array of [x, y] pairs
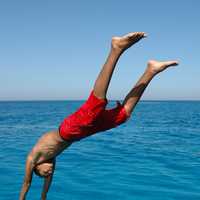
{"points": [[126, 41], [155, 66]]}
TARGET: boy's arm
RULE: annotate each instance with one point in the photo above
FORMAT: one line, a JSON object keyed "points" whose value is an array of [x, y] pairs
{"points": [[47, 183], [27, 178]]}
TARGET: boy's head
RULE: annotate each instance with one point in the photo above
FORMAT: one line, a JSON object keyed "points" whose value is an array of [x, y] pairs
{"points": [[44, 169]]}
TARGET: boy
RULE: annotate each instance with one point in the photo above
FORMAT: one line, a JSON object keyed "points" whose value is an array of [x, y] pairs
{"points": [[91, 117]]}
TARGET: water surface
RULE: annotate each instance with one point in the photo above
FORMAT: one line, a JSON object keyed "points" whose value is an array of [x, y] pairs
{"points": [[154, 156]]}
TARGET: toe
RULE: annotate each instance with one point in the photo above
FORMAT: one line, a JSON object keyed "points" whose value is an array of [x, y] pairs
{"points": [[141, 34], [171, 63], [145, 35]]}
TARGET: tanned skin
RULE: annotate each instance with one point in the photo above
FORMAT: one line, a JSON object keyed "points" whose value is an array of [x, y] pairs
{"points": [[41, 159]]}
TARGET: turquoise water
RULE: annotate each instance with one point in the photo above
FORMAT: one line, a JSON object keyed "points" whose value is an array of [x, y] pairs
{"points": [[154, 156]]}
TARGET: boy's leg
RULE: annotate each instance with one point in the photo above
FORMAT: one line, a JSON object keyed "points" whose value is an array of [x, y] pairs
{"points": [[153, 68], [119, 45]]}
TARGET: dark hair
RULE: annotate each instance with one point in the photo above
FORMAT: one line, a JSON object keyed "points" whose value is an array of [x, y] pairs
{"points": [[37, 172]]}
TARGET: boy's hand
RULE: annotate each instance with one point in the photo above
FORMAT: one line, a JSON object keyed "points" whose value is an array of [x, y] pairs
{"points": [[27, 178], [44, 197]]}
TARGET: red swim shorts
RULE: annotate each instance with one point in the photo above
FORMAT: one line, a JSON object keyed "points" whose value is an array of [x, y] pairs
{"points": [[90, 118]]}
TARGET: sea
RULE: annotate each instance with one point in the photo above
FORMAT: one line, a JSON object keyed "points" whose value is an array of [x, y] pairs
{"points": [[155, 155]]}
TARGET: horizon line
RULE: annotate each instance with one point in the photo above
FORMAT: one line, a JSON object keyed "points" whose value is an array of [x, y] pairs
{"points": [[29, 100]]}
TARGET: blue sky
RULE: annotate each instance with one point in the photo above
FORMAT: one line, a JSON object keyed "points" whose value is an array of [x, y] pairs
{"points": [[55, 49]]}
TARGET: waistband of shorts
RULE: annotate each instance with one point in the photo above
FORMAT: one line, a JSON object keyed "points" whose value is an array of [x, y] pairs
{"points": [[59, 132]]}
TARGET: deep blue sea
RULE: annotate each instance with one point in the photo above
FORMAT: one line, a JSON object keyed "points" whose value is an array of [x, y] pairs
{"points": [[154, 156]]}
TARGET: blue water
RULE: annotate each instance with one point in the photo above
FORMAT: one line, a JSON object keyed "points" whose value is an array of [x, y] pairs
{"points": [[154, 156]]}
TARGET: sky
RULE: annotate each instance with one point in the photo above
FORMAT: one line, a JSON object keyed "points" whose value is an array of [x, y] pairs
{"points": [[54, 50]]}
